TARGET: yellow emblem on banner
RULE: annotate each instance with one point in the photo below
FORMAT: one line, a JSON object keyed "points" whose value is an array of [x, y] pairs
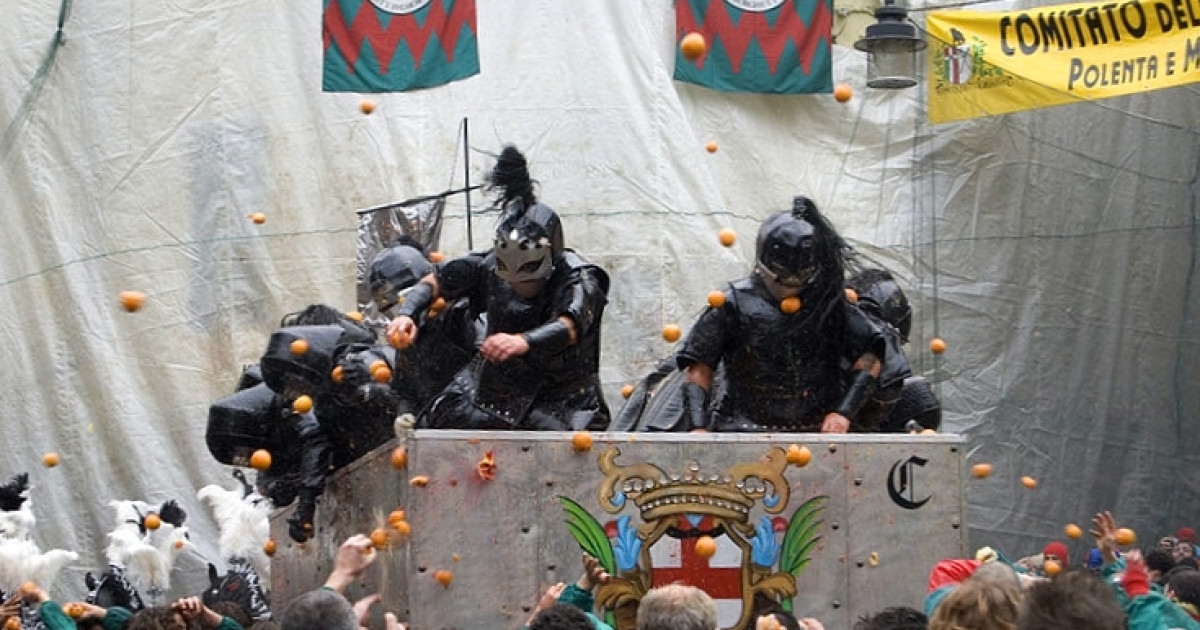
{"points": [[986, 63]]}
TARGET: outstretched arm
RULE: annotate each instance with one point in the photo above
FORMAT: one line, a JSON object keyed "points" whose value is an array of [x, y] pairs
{"points": [[864, 377], [402, 331]]}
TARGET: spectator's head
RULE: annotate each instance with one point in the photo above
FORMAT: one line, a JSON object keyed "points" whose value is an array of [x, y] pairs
{"points": [[1184, 550], [1056, 551], [1167, 544], [978, 605], [996, 573], [1184, 588], [676, 607], [897, 618], [232, 610], [1072, 599], [561, 617], [1158, 562], [320, 609], [157, 618], [1187, 563]]}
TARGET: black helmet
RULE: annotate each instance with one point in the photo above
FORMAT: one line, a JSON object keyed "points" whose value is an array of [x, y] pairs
{"points": [[394, 270], [786, 252], [529, 238], [880, 294]]}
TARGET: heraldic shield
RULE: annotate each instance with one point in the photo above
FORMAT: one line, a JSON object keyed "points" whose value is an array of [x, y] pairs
{"points": [[660, 514]]}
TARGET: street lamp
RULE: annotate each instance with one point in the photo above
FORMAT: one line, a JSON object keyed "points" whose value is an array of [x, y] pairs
{"points": [[891, 44]]}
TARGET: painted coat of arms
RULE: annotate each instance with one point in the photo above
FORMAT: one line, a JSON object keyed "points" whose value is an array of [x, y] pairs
{"points": [[757, 556]]}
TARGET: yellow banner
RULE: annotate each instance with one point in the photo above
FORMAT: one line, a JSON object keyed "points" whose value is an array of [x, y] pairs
{"points": [[982, 64]]}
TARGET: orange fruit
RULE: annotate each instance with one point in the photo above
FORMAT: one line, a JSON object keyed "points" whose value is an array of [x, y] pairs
{"points": [[399, 340], [74, 610], [711, 147], [376, 364], [438, 304], [1051, 567], [338, 374], [269, 547], [356, 316], [382, 375], [397, 515], [1073, 531], [671, 333], [261, 459], [937, 346], [851, 295], [842, 92], [399, 458], [302, 404], [257, 217], [13, 623], [727, 237], [1029, 482], [716, 299], [790, 305], [152, 521], [131, 301], [692, 46], [366, 106], [980, 471], [436, 257], [179, 544], [455, 557], [627, 391], [402, 528], [706, 546], [379, 538], [419, 481], [1126, 536], [28, 589], [443, 577], [799, 455], [50, 459], [299, 347], [581, 441]]}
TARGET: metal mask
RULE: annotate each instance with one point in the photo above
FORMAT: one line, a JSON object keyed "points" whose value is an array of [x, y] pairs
{"points": [[522, 259], [528, 243]]}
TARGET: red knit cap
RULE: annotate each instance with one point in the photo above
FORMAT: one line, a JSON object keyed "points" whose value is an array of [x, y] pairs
{"points": [[1057, 549], [1186, 533]]}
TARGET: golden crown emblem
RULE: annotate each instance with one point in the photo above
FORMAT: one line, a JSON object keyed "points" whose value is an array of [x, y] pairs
{"points": [[728, 494]]}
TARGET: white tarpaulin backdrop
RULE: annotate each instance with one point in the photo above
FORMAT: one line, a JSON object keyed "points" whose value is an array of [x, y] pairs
{"points": [[1054, 250]]}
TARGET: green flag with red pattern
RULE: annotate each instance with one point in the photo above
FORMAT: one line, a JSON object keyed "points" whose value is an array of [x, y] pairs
{"points": [[764, 46], [397, 45]]}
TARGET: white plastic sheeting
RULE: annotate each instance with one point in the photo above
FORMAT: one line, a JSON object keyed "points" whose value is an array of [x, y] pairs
{"points": [[1054, 250]]}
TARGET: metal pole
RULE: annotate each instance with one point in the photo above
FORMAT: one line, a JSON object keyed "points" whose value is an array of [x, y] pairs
{"points": [[467, 178]]}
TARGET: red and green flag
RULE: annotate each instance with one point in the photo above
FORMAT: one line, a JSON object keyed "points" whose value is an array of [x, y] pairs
{"points": [[764, 46], [398, 45]]}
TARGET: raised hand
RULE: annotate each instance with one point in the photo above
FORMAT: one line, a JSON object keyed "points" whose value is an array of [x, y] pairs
{"points": [[1104, 530]]}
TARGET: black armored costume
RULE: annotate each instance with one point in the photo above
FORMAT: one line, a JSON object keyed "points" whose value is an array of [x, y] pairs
{"points": [[351, 412], [901, 402], [796, 354], [449, 334], [537, 368]]}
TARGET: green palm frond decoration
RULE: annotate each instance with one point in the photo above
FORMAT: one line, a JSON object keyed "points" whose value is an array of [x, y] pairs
{"points": [[801, 535], [589, 533]]}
